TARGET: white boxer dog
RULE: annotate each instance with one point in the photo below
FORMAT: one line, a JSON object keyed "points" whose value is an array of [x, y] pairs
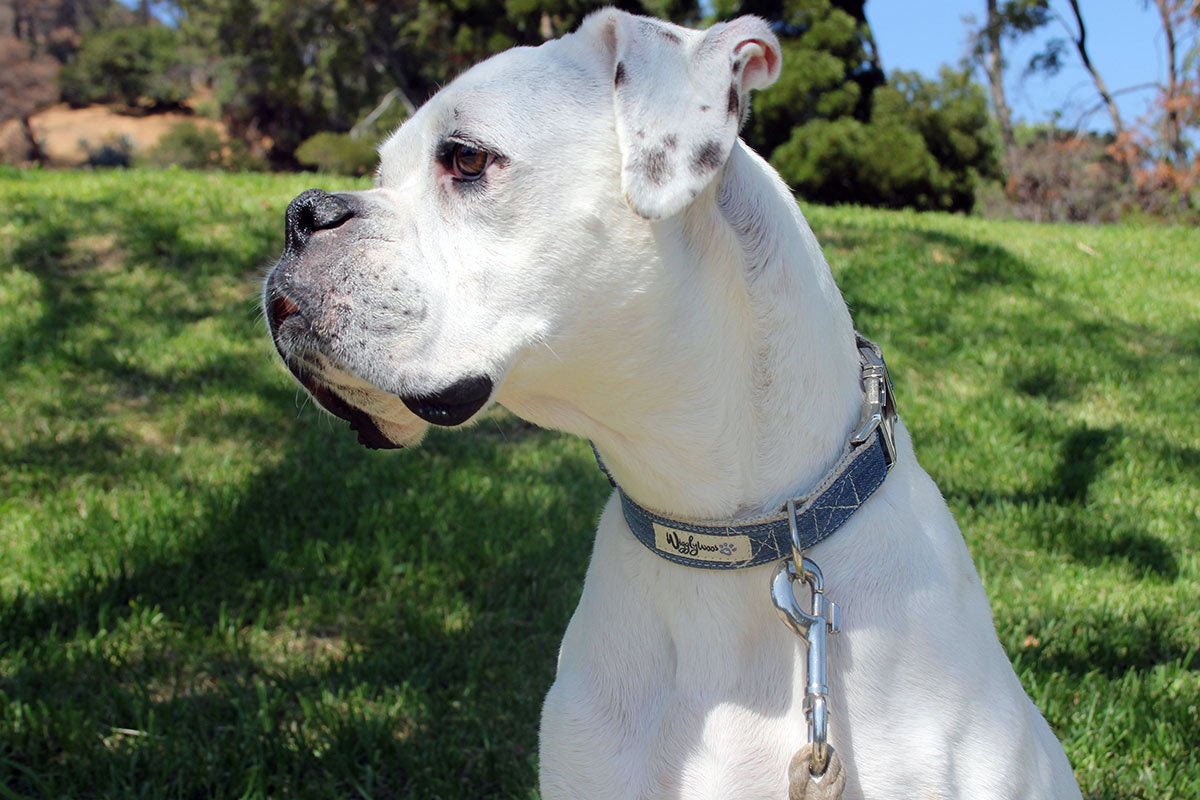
{"points": [[576, 232]]}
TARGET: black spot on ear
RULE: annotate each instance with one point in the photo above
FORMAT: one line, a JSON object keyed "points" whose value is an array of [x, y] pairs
{"points": [[619, 78], [641, 133], [707, 157], [734, 107], [656, 167], [670, 141], [705, 108]]}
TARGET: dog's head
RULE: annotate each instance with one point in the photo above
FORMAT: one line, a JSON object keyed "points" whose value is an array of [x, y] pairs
{"points": [[512, 212]]}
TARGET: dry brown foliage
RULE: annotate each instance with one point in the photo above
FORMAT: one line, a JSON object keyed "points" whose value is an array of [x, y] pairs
{"points": [[27, 84]]}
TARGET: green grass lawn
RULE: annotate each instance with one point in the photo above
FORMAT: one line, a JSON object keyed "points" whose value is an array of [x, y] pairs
{"points": [[208, 589]]}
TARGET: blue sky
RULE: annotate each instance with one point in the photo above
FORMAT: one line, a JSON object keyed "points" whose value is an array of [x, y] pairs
{"points": [[1124, 39]]}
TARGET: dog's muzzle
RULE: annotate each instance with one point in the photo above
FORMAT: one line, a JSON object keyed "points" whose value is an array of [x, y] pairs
{"points": [[290, 324]]}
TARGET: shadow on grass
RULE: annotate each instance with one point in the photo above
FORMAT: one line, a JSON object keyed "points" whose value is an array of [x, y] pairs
{"points": [[456, 604], [1098, 639], [440, 579], [143, 235], [1084, 531], [877, 281], [1043, 381], [1054, 349]]}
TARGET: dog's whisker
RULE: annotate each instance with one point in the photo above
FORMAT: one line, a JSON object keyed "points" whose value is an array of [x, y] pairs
{"points": [[546, 343], [299, 401]]}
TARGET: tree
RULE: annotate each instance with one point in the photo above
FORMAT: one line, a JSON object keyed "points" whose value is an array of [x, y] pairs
{"points": [[134, 65], [1004, 21], [32, 21], [994, 67], [27, 84], [1164, 154], [1178, 96], [925, 145], [839, 132], [287, 69], [1156, 154], [1024, 16], [44, 24], [1078, 33], [831, 66]]}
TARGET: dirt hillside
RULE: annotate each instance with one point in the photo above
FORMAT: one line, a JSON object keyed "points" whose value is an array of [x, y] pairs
{"points": [[64, 131]]}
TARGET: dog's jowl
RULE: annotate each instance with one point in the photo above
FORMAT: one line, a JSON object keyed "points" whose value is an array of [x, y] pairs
{"points": [[576, 232]]}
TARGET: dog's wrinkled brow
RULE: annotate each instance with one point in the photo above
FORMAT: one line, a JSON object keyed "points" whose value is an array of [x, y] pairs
{"points": [[462, 137]]}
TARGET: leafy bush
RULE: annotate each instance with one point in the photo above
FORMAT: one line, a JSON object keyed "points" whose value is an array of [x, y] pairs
{"points": [[189, 146], [339, 154], [113, 151], [133, 65], [239, 157], [926, 145], [847, 161], [193, 146]]}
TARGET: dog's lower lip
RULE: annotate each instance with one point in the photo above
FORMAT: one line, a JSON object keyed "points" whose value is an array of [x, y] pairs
{"points": [[361, 422], [441, 414], [453, 405]]}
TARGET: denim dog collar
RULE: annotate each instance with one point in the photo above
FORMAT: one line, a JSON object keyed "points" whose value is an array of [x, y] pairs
{"points": [[869, 454]]}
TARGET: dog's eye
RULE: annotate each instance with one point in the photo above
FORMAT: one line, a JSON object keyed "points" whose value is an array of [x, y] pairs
{"points": [[469, 162]]}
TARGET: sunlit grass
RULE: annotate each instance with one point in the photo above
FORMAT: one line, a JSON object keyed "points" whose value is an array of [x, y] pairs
{"points": [[208, 589]]}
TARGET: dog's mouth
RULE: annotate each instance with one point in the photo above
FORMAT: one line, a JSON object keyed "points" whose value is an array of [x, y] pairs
{"points": [[449, 407], [361, 422]]}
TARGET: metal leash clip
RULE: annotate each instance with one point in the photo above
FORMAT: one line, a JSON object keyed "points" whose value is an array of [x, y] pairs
{"points": [[812, 627]]}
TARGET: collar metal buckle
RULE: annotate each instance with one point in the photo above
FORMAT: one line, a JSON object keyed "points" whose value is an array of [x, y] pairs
{"points": [[879, 402]]}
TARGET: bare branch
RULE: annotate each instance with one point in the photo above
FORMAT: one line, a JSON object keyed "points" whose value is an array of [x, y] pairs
{"points": [[1174, 123], [1139, 87], [1079, 37]]}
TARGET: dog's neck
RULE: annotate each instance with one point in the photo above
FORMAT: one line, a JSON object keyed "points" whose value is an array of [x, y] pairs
{"points": [[720, 389]]}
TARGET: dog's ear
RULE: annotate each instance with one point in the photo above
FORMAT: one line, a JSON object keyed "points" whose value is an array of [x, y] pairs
{"points": [[680, 97]]}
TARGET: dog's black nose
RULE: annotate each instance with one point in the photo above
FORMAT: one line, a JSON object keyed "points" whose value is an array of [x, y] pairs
{"points": [[311, 211]]}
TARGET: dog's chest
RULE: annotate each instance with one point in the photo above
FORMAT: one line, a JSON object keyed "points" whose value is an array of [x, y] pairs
{"points": [[662, 708], [681, 736]]}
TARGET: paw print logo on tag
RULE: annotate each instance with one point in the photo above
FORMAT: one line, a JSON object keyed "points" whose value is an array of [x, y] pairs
{"points": [[727, 548]]}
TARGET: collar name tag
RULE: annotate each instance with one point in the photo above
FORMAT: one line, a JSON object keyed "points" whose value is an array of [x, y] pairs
{"points": [[702, 546]]}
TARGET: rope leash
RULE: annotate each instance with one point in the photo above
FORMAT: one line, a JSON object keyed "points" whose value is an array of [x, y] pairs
{"points": [[803, 785]]}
